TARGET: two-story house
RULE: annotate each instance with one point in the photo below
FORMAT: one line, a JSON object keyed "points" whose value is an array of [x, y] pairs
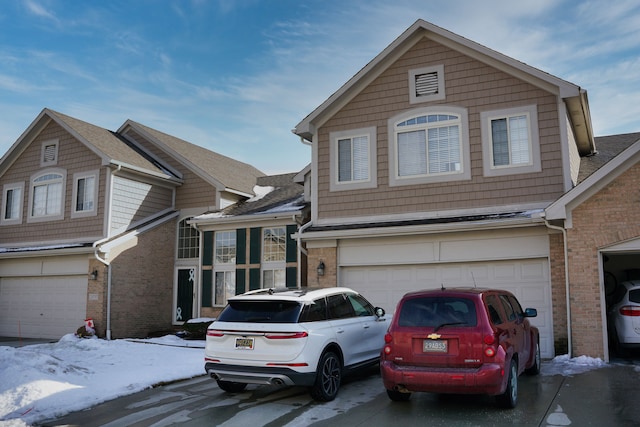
{"points": [[94, 223], [433, 166]]}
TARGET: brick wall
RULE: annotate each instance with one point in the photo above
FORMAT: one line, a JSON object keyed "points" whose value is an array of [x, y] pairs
{"points": [[558, 293], [330, 259], [609, 217]]}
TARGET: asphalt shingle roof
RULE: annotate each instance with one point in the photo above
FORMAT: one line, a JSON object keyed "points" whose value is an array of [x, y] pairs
{"points": [[607, 148]]}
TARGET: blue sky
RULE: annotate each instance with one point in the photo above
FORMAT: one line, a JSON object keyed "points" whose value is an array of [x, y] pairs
{"points": [[237, 76]]}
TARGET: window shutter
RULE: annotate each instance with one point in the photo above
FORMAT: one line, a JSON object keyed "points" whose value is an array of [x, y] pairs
{"points": [[426, 84], [241, 246], [241, 281], [207, 248], [255, 245], [291, 277], [292, 246], [207, 288], [254, 279]]}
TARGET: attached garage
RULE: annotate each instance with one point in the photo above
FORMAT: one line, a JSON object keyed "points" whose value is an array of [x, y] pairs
{"points": [[384, 269], [42, 298]]}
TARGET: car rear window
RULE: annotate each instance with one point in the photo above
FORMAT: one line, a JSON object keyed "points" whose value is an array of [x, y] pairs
{"points": [[634, 295], [261, 312], [437, 312]]}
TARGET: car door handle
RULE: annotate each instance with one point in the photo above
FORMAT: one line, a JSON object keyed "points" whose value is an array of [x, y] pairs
{"points": [[366, 326], [339, 331]]}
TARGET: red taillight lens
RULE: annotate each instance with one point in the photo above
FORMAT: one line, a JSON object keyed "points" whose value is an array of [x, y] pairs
{"points": [[387, 349], [489, 351], [214, 333], [630, 310], [285, 335], [388, 338], [489, 339]]}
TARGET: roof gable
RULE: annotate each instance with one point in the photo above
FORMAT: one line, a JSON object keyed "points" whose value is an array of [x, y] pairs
{"points": [[574, 96]]}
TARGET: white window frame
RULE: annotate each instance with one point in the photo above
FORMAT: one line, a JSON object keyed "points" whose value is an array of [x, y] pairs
{"points": [[534, 165], [74, 201], [464, 171], [334, 165], [414, 98], [18, 202], [226, 268], [43, 160], [271, 265], [32, 191]]}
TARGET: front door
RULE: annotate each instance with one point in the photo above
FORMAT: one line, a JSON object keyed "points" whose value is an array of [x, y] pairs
{"points": [[184, 302]]}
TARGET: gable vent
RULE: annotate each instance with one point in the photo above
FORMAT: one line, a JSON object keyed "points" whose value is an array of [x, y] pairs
{"points": [[49, 154], [427, 84]]}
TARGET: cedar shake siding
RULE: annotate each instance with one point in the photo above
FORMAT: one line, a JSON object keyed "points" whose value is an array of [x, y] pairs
{"points": [[73, 158], [469, 84]]}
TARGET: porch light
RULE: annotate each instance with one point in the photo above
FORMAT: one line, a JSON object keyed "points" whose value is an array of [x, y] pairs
{"points": [[321, 268], [93, 275]]}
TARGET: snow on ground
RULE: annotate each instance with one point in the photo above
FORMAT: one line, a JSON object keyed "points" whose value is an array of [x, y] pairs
{"points": [[45, 381]]}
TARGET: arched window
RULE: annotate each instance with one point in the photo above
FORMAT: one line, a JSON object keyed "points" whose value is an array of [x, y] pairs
{"points": [[47, 196]]}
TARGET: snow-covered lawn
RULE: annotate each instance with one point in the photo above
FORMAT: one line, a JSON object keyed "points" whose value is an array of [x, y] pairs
{"points": [[44, 381]]}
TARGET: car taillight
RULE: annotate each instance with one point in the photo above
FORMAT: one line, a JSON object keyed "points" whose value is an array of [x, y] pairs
{"points": [[388, 339], [214, 333], [285, 335], [630, 310], [490, 349]]}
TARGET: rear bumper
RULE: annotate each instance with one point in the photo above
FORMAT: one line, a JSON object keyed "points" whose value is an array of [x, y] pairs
{"points": [[259, 375], [488, 379]]}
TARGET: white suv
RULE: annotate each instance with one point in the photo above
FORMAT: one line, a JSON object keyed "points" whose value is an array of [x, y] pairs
{"points": [[302, 337]]}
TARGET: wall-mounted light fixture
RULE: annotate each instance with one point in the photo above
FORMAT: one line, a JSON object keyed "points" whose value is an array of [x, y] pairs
{"points": [[321, 268], [93, 275]]}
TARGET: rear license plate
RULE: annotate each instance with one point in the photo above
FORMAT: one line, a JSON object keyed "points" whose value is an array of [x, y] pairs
{"points": [[244, 343], [437, 346]]}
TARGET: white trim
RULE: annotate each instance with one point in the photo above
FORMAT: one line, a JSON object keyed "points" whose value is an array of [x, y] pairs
{"points": [[95, 174], [465, 162], [534, 164], [334, 163], [20, 202]]}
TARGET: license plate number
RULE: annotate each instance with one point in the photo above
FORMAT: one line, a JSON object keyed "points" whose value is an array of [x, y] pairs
{"points": [[244, 343], [437, 346]]}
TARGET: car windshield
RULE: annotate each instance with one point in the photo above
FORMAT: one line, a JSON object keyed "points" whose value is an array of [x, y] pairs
{"points": [[261, 312], [438, 312]]}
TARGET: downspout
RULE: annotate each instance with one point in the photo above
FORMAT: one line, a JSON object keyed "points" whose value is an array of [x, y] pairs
{"points": [[566, 282], [301, 251], [108, 264]]}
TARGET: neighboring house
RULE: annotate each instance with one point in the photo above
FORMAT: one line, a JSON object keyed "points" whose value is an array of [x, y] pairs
{"points": [[94, 224], [249, 245], [433, 166]]}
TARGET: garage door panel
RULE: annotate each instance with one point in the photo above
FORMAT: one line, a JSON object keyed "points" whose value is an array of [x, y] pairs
{"points": [[527, 279], [42, 307]]}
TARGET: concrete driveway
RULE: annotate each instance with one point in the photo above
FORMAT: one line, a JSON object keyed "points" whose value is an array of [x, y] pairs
{"points": [[605, 396]]}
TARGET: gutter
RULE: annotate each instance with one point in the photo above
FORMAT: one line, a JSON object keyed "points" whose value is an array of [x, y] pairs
{"points": [[566, 282], [301, 250], [96, 245]]}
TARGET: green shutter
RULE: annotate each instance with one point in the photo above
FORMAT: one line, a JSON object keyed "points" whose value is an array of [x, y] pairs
{"points": [[292, 277], [241, 281], [255, 245], [241, 246], [207, 288], [254, 278], [292, 247], [207, 248]]}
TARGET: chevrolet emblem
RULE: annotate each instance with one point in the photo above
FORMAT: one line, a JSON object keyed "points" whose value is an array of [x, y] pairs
{"points": [[433, 336]]}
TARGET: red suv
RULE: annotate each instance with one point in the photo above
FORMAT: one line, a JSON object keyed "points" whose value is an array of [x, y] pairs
{"points": [[459, 340]]}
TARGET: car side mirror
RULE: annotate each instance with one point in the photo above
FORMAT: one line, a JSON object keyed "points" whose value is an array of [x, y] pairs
{"points": [[530, 312], [379, 311]]}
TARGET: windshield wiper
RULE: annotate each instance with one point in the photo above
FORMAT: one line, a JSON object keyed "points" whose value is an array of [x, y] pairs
{"points": [[448, 324]]}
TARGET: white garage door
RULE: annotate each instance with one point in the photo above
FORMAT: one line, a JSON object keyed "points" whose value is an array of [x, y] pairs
{"points": [[42, 307], [528, 279]]}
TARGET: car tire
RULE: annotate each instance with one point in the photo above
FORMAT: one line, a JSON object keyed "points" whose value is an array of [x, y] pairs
{"points": [[397, 396], [509, 399], [328, 378], [231, 387], [535, 368]]}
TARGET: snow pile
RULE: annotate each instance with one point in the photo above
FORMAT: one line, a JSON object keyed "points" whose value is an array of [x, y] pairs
{"points": [[260, 192], [563, 365], [49, 380]]}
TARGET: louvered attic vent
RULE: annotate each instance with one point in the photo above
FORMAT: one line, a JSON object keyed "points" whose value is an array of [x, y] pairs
{"points": [[49, 153], [427, 84]]}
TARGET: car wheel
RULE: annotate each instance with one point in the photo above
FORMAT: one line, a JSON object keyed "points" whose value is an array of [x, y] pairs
{"points": [[328, 378], [397, 396], [535, 368], [231, 387], [509, 399]]}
